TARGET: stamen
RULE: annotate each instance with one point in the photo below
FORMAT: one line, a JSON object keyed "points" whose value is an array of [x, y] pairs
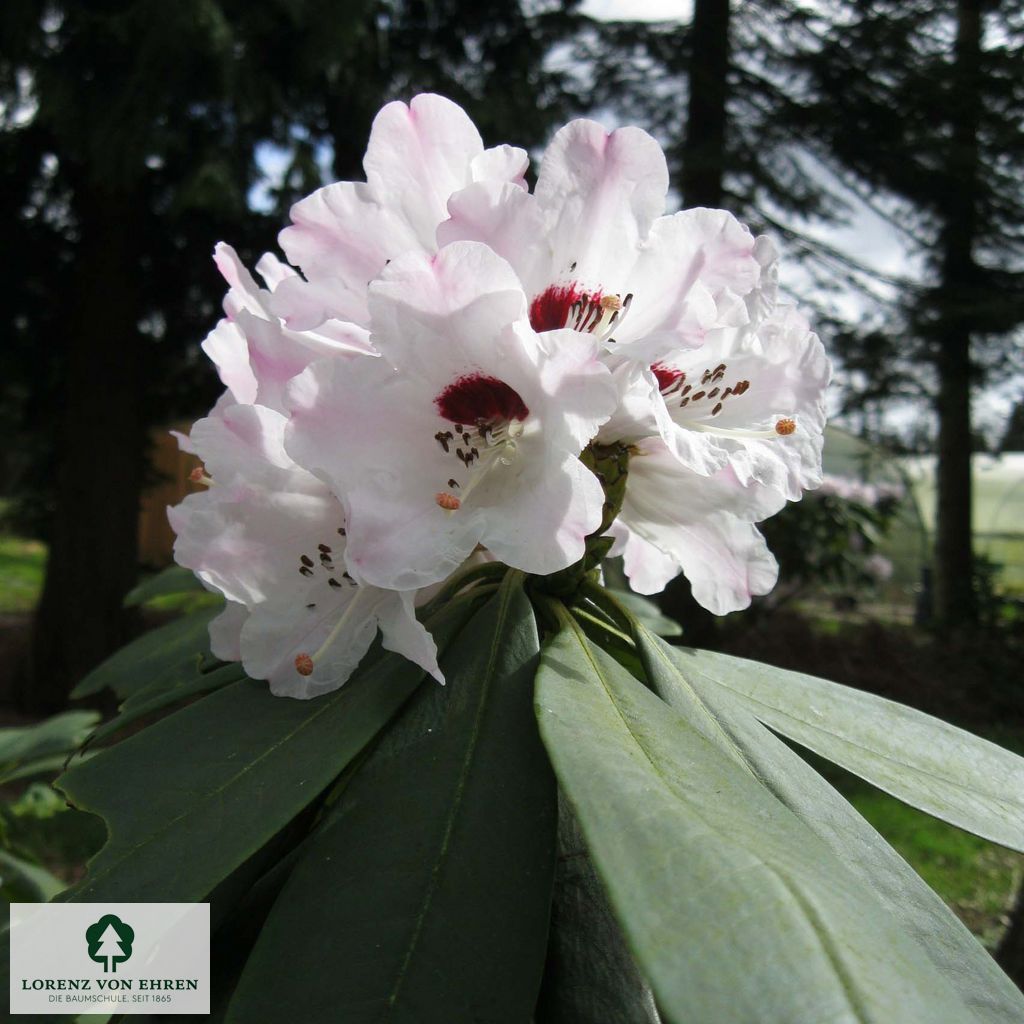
{"points": [[707, 428], [198, 476], [785, 427], [447, 501], [568, 305], [304, 663]]}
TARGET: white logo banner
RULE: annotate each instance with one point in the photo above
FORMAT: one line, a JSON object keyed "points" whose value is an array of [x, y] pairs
{"points": [[110, 958]]}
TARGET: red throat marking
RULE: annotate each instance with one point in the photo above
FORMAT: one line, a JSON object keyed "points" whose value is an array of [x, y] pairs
{"points": [[479, 399], [666, 375], [549, 311]]}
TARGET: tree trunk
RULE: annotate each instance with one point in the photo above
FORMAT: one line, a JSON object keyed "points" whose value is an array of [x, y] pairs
{"points": [[704, 147], [954, 559], [93, 538]]}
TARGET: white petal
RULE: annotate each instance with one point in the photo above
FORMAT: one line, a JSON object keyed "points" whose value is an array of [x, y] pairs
{"points": [[676, 520], [402, 633], [601, 192], [500, 164], [418, 155], [507, 219], [226, 632], [543, 529], [687, 280], [341, 237], [229, 352]]}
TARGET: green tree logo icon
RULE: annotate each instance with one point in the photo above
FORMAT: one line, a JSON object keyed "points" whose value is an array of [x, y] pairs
{"points": [[110, 942]]}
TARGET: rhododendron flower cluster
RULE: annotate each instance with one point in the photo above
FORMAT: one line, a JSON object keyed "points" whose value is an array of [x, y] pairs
{"points": [[442, 365]]}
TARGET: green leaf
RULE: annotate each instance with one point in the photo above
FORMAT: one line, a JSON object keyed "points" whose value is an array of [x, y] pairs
{"points": [[590, 976], [161, 695], [24, 882], [646, 612], [735, 910], [25, 747], [724, 721], [923, 761], [189, 799], [424, 896], [167, 655], [172, 580]]}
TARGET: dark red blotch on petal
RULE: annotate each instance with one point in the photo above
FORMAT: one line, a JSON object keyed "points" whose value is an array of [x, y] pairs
{"points": [[549, 311], [666, 375], [476, 398]]}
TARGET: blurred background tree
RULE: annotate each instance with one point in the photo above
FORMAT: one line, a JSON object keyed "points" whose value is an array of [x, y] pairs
{"points": [[134, 135], [131, 143]]}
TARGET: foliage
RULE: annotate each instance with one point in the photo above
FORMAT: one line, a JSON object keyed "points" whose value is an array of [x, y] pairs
{"points": [[734, 871], [832, 540]]}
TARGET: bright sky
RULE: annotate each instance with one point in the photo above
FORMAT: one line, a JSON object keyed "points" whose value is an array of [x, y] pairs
{"points": [[638, 10]]}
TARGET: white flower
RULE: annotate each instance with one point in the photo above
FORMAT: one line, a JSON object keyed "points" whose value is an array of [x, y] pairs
{"points": [[343, 235], [254, 352], [270, 537], [675, 520], [466, 432], [702, 355], [594, 253], [751, 397]]}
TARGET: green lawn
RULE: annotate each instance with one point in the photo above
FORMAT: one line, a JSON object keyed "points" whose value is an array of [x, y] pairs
{"points": [[976, 878], [21, 573]]}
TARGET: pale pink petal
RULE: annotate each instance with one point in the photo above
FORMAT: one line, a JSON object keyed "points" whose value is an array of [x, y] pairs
{"points": [[403, 634], [501, 164], [687, 280], [543, 528], [341, 237], [504, 217], [675, 520], [601, 192], [228, 351], [226, 632], [418, 155]]}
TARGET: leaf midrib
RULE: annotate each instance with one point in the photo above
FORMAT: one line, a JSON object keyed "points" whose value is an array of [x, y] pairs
{"points": [[193, 809], [504, 596], [853, 999]]}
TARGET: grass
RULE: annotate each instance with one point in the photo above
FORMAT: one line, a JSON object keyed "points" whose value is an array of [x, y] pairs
{"points": [[977, 879], [21, 574]]}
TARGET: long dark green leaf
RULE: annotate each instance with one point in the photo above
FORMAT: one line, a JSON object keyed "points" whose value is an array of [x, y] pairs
{"points": [[173, 580], [161, 696], [928, 763], [737, 913], [23, 745], [168, 653], [590, 976], [193, 796], [724, 721], [424, 896]]}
